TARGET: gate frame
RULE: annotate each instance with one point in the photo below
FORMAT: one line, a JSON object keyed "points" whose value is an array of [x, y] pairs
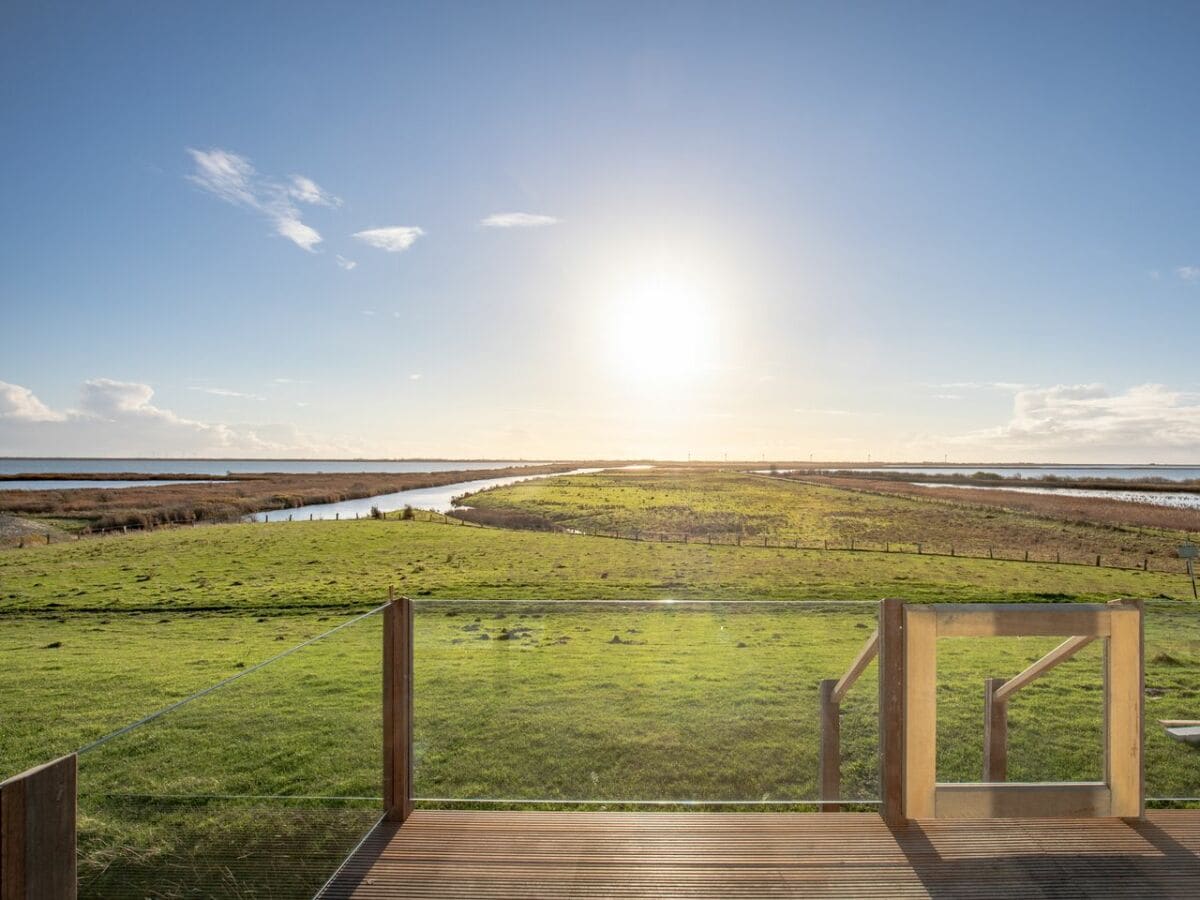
{"points": [[908, 710]]}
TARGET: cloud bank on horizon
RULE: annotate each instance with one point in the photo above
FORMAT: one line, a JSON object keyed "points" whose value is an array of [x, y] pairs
{"points": [[117, 418], [1062, 423]]}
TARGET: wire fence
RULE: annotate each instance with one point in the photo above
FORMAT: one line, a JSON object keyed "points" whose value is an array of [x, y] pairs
{"points": [[257, 786], [1040, 555]]}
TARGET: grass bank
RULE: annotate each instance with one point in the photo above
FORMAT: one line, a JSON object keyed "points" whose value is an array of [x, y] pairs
{"points": [[270, 568]]}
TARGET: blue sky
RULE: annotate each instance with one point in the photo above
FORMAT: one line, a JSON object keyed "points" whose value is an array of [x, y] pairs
{"points": [[915, 230]]}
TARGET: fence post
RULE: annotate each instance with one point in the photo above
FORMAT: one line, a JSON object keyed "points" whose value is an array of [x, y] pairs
{"points": [[37, 834], [831, 747], [891, 710], [1124, 718], [995, 732], [397, 707]]}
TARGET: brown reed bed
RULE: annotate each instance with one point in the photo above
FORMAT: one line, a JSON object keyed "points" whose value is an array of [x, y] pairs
{"points": [[225, 499]]}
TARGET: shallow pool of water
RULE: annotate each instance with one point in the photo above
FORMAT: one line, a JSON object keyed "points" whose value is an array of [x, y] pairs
{"points": [[1154, 498]]}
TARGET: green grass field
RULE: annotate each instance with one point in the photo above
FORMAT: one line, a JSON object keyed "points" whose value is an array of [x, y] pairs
{"points": [[145, 618], [548, 699], [728, 504]]}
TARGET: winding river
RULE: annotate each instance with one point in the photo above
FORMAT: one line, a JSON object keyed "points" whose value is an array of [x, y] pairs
{"points": [[439, 499]]}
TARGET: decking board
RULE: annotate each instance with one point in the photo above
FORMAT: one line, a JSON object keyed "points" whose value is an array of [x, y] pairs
{"points": [[706, 856]]}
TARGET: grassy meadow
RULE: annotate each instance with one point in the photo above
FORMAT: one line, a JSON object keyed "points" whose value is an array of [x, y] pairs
{"points": [[726, 505], [550, 699]]}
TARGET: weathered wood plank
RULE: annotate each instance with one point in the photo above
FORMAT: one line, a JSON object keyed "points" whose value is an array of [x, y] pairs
{"points": [[1124, 692], [1057, 656], [1010, 800], [397, 709], [830, 753], [995, 731], [865, 655], [715, 856], [1021, 619], [37, 833], [920, 711], [891, 709]]}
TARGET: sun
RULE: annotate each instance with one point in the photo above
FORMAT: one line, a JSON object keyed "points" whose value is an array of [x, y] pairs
{"points": [[661, 329]]}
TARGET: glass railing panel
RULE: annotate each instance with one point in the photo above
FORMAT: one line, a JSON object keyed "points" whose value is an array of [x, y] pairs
{"points": [[1055, 723], [259, 787], [1172, 652], [636, 703]]}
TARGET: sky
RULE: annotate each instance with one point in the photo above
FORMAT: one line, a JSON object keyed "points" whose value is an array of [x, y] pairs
{"points": [[906, 231]]}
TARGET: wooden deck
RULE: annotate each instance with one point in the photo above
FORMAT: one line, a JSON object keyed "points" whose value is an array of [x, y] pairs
{"points": [[730, 856]]}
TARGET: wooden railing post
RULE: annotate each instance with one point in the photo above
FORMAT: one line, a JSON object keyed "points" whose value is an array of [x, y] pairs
{"points": [[397, 708], [831, 747], [1124, 690], [995, 732], [891, 710], [37, 833]]}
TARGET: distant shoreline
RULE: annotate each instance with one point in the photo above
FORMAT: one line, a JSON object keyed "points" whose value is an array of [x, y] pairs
{"points": [[856, 464]]}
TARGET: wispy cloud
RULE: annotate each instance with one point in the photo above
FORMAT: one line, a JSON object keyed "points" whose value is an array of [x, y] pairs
{"points": [[1190, 274], [517, 220], [344, 263], [415, 376], [1005, 386], [226, 392], [305, 190], [304, 236], [291, 381], [811, 411], [393, 238], [234, 179]]}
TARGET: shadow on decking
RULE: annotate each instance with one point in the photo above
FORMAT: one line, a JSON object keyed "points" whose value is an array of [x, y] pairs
{"points": [[1094, 858], [702, 855]]}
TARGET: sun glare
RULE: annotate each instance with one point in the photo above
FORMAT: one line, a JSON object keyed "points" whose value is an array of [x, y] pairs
{"points": [[661, 329]]}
